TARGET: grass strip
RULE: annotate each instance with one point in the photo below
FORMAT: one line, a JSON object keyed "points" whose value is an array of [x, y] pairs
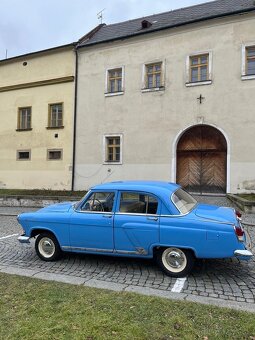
{"points": [[35, 309], [249, 197]]}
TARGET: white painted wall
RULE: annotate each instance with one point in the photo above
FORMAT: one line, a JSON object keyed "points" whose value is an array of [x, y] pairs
{"points": [[151, 122]]}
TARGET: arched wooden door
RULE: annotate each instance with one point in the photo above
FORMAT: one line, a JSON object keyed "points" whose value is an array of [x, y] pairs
{"points": [[202, 160]]}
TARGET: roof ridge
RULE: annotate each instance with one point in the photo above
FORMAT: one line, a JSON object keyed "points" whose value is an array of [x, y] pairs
{"points": [[173, 18], [162, 13]]}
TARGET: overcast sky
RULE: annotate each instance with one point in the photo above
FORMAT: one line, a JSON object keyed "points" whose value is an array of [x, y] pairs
{"points": [[32, 25]]}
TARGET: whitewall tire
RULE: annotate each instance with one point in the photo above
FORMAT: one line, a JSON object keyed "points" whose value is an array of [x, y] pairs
{"points": [[47, 247], [175, 262]]}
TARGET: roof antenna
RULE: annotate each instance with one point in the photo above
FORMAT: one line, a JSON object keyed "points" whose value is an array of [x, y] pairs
{"points": [[100, 15], [6, 54]]}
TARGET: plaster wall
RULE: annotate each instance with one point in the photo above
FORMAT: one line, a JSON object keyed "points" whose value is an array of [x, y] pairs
{"points": [[150, 122], [38, 172]]}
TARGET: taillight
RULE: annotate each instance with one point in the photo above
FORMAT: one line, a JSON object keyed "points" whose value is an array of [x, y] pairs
{"points": [[238, 214], [239, 233]]}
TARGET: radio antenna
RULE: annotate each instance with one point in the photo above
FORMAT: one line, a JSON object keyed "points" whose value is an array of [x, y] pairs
{"points": [[100, 16]]}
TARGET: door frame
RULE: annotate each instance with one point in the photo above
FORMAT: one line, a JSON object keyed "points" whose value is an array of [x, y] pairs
{"points": [[174, 152]]}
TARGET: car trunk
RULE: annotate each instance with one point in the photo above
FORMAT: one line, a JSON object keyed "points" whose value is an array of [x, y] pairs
{"points": [[215, 213]]}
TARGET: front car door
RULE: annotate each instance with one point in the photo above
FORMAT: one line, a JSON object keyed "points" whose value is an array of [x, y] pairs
{"points": [[91, 225], [136, 225]]}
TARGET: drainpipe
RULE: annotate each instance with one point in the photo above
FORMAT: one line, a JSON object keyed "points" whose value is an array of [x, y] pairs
{"points": [[75, 115]]}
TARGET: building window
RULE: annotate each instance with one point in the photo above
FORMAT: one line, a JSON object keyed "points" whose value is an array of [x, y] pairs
{"points": [[24, 118], [113, 145], [55, 119], [54, 154], [199, 68], [153, 76], [115, 80], [250, 61], [23, 155]]}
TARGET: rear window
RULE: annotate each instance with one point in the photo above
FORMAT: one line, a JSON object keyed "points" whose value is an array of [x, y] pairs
{"points": [[183, 201]]}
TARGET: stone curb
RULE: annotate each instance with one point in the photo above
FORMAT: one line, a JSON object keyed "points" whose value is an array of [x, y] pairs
{"points": [[242, 203], [34, 201], [126, 288]]}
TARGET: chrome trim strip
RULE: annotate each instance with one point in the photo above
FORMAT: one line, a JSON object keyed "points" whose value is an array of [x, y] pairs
{"points": [[137, 214], [94, 212], [89, 249], [124, 252], [128, 252]]}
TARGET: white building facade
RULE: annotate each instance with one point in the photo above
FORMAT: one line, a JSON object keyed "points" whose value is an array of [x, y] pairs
{"points": [[170, 97]]}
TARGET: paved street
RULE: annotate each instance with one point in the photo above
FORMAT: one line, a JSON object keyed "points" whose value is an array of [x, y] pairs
{"points": [[223, 282]]}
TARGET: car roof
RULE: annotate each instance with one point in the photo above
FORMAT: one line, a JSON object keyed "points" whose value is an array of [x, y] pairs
{"points": [[147, 186]]}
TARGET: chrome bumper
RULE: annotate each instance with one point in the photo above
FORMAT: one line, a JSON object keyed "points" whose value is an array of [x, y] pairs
{"points": [[244, 253], [23, 239]]}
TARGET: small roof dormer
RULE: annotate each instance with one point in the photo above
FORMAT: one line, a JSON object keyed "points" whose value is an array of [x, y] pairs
{"points": [[145, 24]]}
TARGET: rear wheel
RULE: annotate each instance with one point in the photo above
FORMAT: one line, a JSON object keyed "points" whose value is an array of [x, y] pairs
{"points": [[47, 247], [175, 262]]}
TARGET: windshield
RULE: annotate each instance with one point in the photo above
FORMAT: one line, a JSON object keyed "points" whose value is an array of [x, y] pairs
{"points": [[183, 201], [76, 204]]}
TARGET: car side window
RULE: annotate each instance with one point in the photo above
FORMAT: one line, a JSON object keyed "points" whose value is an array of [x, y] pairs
{"points": [[138, 203], [99, 201]]}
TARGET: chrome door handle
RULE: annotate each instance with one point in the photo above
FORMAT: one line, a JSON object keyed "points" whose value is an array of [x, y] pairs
{"points": [[107, 216], [152, 218]]}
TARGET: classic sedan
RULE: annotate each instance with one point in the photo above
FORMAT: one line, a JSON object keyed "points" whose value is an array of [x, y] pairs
{"points": [[138, 219]]}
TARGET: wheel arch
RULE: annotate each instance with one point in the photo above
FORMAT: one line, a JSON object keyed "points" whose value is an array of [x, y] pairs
{"points": [[39, 230], [157, 248]]}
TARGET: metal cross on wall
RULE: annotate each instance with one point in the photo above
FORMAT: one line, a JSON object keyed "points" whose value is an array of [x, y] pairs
{"points": [[200, 98]]}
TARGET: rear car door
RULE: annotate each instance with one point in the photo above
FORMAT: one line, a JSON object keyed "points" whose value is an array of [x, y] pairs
{"points": [[136, 225]]}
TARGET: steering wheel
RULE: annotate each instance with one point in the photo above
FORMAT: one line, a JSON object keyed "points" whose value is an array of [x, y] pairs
{"points": [[97, 207]]}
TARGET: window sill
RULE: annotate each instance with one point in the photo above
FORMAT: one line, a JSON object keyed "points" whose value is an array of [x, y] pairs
{"points": [[54, 127], [245, 77], [19, 130], [153, 89], [112, 163], [199, 83], [112, 94]]}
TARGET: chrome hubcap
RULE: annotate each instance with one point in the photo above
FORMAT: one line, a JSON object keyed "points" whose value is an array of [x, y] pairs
{"points": [[174, 260]]}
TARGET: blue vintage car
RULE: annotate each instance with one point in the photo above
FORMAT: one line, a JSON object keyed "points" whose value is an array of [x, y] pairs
{"points": [[138, 219]]}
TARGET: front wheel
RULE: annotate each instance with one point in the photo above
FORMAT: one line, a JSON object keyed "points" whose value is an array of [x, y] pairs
{"points": [[47, 247], [175, 262]]}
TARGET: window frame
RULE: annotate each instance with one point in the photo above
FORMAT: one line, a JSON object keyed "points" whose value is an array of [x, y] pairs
{"points": [[54, 159], [209, 68], [105, 152], [244, 65], [88, 197], [50, 105], [19, 128], [117, 93], [121, 191], [23, 159], [145, 87]]}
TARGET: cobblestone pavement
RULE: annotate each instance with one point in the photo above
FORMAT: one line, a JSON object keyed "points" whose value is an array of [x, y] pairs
{"points": [[227, 280]]}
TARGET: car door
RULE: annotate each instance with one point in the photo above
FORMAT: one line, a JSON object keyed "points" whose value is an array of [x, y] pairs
{"points": [[136, 224], [91, 225]]}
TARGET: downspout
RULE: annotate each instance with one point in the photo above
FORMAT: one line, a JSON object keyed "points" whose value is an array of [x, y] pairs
{"points": [[75, 115]]}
